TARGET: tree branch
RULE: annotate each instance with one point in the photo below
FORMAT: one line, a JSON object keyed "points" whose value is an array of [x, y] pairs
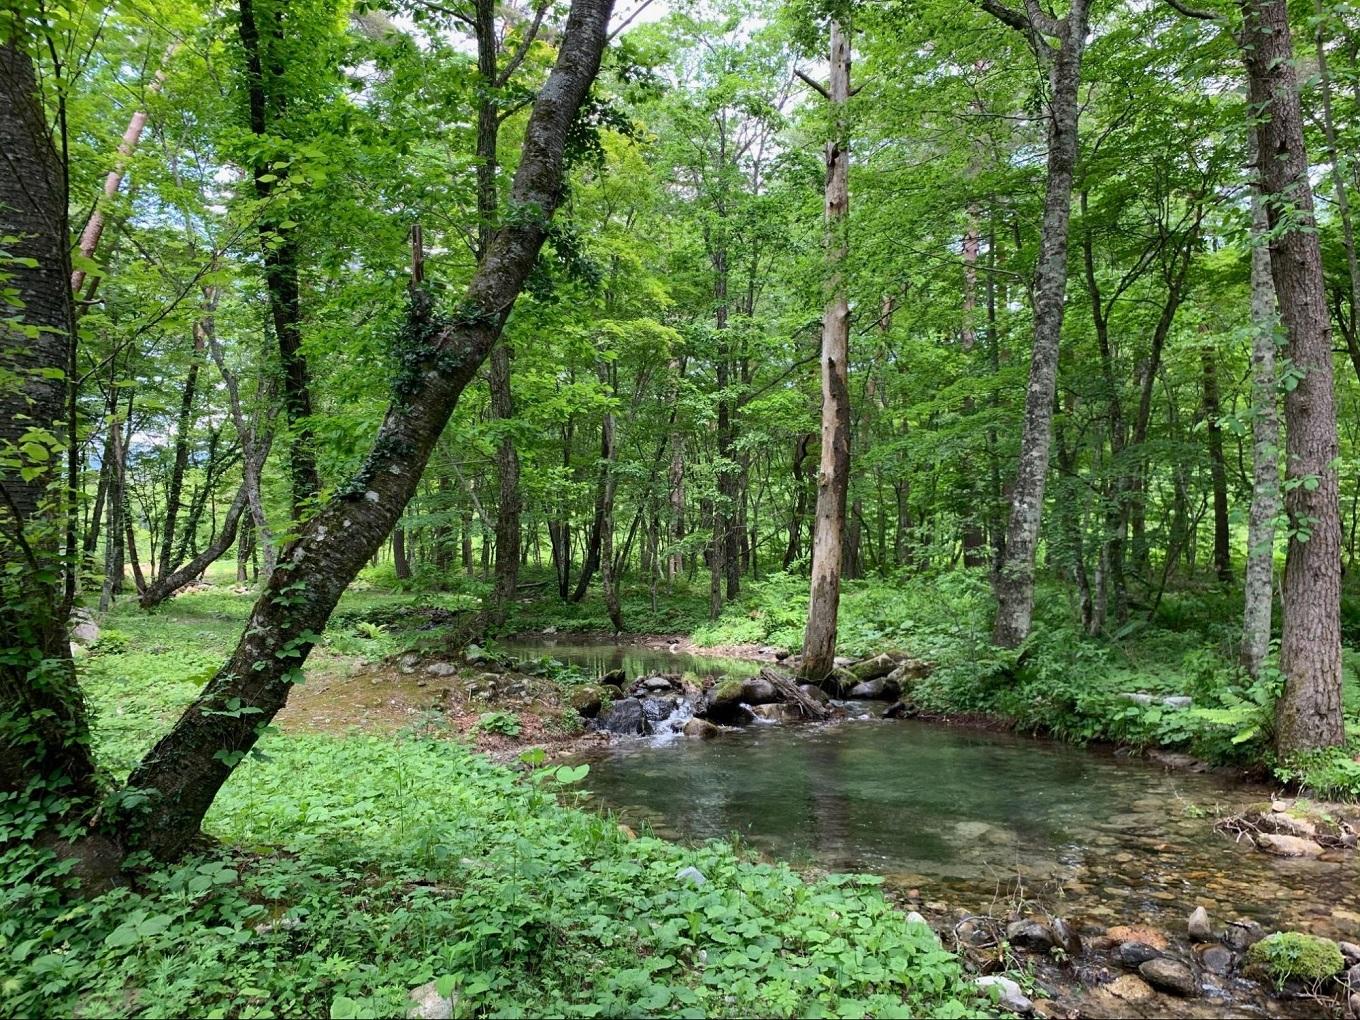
{"points": [[813, 83]]}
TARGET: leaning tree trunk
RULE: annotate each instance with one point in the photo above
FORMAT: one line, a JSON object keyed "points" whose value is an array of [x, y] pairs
{"points": [[44, 734], [1258, 587], [1308, 715], [1014, 581], [833, 476], [184, 771]]}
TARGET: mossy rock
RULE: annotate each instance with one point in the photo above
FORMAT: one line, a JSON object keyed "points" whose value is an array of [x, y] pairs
{"points": [[727, 691], [1292, 955], [588, 699]]}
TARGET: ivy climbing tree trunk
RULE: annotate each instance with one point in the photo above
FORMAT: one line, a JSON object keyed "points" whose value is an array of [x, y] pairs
{"points": [[44, 734], [184, 771], [833, 476], [1308, 715], [1258, 587], [1014, 581]]}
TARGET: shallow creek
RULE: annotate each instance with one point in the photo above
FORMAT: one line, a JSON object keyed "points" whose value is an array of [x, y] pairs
{"points": [[972, 820]]}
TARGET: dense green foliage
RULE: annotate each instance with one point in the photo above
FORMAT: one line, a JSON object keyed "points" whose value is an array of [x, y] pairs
{"points": [[356, 868]]}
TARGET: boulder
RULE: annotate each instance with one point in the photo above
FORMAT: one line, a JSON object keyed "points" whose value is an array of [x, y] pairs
{"points": [[428, 1004], [587, 700], [781, 655], [84, 631], [1198, 926], [1287, 846], [878, 689], [657, 709], [441, 669], [1242, 933], [626, 718], [1133, 955], [778, 713], [758, 691], [1010, 997], [1031, 934], [900, 710], [1286, 955], [873, 668], [815, 693], [1351, 979], [700, 729], [692, 875], [1353, 1007], [1350, 951], [1217, 959], [614, 678], [1287, 825], [475, 654], [408, 662], [1067, 937], [657, 683], [1168, 975], [1137, 933]]}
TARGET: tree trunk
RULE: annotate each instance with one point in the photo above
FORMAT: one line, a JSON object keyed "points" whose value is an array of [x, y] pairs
{"points": [[265, 76], [1218, 471], [183, 432], [794, 549], [400, 563], [833, 476], [1258, 588], [44, 733], [168, 584], [1015, 579], [184, 771], [1308, 715]]}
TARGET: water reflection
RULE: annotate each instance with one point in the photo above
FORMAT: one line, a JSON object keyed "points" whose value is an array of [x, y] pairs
{"points": [[968, 816], [635, 660]]}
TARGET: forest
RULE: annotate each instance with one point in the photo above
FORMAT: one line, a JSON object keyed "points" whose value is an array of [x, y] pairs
{"points": [[679, 507]]}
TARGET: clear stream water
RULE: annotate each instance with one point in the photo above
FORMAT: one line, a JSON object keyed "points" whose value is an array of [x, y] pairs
{"points": [[969, 818]]}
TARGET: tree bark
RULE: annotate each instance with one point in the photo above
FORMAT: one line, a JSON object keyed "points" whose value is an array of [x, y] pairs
{"points": [[1258, 587], [1218, 470], [1308, 715], [167, 584], [183, 431], [833, 476], [184, 771], [279, 245], [44, 731], [1014, 581]]}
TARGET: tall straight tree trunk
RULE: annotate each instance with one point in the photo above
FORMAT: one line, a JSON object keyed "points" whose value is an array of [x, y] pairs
{"points": [[1308, 715], [400, 563], [1218, 470], [187, 767], [1014, 582], [45, 733], [183, 432], [794, 549], [265, 76], [833, 476], [1258, 587]]}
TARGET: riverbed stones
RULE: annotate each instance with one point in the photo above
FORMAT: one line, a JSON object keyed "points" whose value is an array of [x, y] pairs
{"points": [[877, 689], [873, 668], [1134, 954], [1010, 997], [1031, 934], [777, 713], [1170, 975], [587, 700], [1242, 934], [1287, 846], [699, 729], [657, 709], [814, 693], [626, 718], [1217, 959], [900, 710], [1137, 933], [1130, 988], [1287, 825], [1199, 926]]}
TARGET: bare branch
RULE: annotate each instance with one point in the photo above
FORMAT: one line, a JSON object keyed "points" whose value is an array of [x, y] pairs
{"points": [[523, 51], [818, 86]]}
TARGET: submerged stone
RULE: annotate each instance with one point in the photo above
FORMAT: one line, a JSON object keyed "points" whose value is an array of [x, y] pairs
{"points": [[1287, 846], [1170, 976]]}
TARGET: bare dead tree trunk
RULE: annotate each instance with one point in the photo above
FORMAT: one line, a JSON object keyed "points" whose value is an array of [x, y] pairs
{"points": [[1258, 587], [833, 476], [1014, 581], [1309, 713], [184, 771]]}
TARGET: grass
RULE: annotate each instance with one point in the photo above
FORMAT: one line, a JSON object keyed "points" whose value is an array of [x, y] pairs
{"points": [[351, 870]]}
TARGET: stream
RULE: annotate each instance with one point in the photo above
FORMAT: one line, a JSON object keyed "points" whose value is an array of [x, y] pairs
{"points": [[968, 819]]}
